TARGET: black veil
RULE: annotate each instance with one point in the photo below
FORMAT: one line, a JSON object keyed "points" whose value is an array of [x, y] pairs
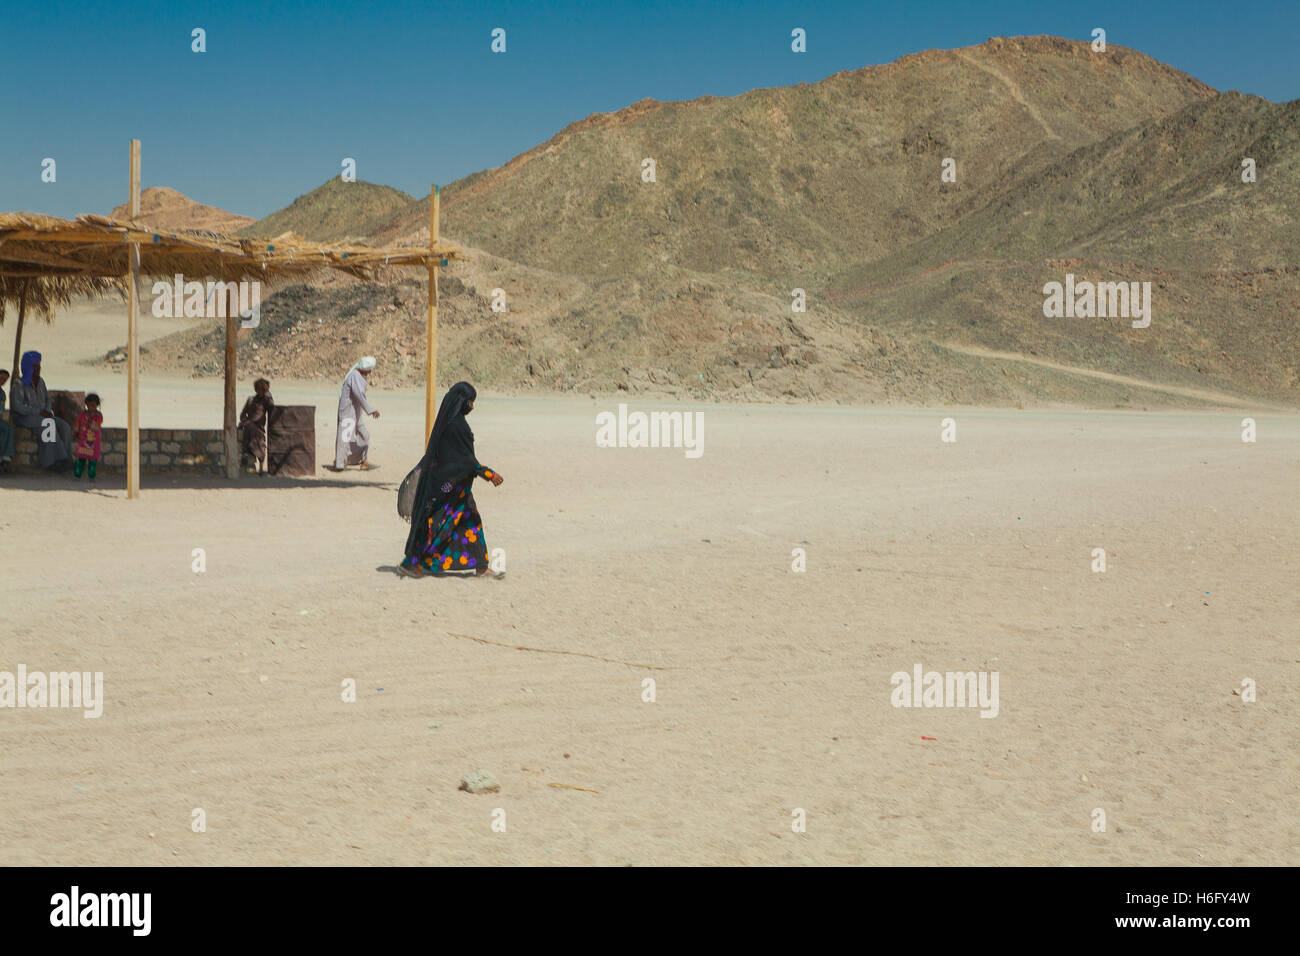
{"points": [[449, 456]]}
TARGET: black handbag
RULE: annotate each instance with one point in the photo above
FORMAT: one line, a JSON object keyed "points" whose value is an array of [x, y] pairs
{"points": [[406, 494]]}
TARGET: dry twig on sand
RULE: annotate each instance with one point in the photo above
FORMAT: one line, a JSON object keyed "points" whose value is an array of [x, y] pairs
{"points": [[543, 650]]}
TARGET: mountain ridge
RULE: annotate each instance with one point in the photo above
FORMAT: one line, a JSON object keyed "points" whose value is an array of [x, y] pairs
{"points": [[1115, 162], [170, 209]]}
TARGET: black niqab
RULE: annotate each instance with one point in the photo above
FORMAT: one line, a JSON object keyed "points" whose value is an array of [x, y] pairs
{"points": [[449, 457]]}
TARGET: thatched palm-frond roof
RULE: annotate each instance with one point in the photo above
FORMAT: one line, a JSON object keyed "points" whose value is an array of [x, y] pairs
{"points": [[40, 296], [33, 245]]}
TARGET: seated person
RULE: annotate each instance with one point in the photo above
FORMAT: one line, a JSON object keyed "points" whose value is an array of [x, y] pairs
{"points": [[253, 421], [6, 430], [32, 409]]}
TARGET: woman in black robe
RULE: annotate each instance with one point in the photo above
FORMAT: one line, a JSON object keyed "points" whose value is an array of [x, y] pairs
{"points": [[446, 529]]}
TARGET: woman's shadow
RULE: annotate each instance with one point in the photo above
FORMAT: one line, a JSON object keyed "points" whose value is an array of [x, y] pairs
{"points": [[394, 569]]}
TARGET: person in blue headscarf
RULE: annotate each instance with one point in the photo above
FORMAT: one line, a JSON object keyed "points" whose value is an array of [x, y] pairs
{"points": [[31, 409]]}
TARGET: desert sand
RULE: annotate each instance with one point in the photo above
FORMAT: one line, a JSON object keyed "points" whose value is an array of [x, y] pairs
{"points": [[772, 687]]}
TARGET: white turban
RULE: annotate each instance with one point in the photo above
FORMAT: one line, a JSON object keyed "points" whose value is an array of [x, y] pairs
{"points": [[366, 364]]}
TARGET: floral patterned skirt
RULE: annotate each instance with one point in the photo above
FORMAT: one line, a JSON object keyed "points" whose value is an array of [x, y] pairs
{"points": [[455, 537]]}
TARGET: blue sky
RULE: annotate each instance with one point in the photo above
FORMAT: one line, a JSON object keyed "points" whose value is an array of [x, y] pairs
{"points": [[412, 91]]}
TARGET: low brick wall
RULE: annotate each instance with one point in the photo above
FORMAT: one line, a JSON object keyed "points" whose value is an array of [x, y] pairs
{"points": [[199, 451]]}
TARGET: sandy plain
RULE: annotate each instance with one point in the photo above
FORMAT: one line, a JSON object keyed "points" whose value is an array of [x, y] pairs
{"points": [[772, 687]]}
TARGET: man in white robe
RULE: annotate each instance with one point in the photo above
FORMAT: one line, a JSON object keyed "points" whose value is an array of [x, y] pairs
{"points": [[352, 440]]}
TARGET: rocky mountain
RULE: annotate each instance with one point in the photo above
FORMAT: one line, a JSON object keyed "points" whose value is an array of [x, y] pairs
{"points": [[920, 287], [169, 209], [333, 212]]}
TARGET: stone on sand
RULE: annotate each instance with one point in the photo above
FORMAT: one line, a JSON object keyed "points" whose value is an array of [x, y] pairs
{"points": [[480, 781]]}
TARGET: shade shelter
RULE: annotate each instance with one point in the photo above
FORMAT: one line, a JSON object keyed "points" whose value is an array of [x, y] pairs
{"points": [[41, 296], [43, 248]]}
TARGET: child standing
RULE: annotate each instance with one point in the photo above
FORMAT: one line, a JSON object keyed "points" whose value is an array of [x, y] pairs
{"points": [[89, 424], [253, 422]]}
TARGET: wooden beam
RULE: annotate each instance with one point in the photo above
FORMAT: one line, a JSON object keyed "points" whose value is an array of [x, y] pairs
{"points": [[70, 236], [431, 327], [18, 336], [133, 342], [228, 425], [25, 254], [91, 237], [35, 273]]}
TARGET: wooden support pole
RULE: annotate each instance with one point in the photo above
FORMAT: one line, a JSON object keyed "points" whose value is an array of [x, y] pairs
{"points": [[431, 329], [133, 341], [228, 425], [18, 337]]}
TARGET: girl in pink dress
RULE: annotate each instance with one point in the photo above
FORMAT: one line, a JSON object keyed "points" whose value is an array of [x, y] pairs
{"points": [[89, 424]]}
